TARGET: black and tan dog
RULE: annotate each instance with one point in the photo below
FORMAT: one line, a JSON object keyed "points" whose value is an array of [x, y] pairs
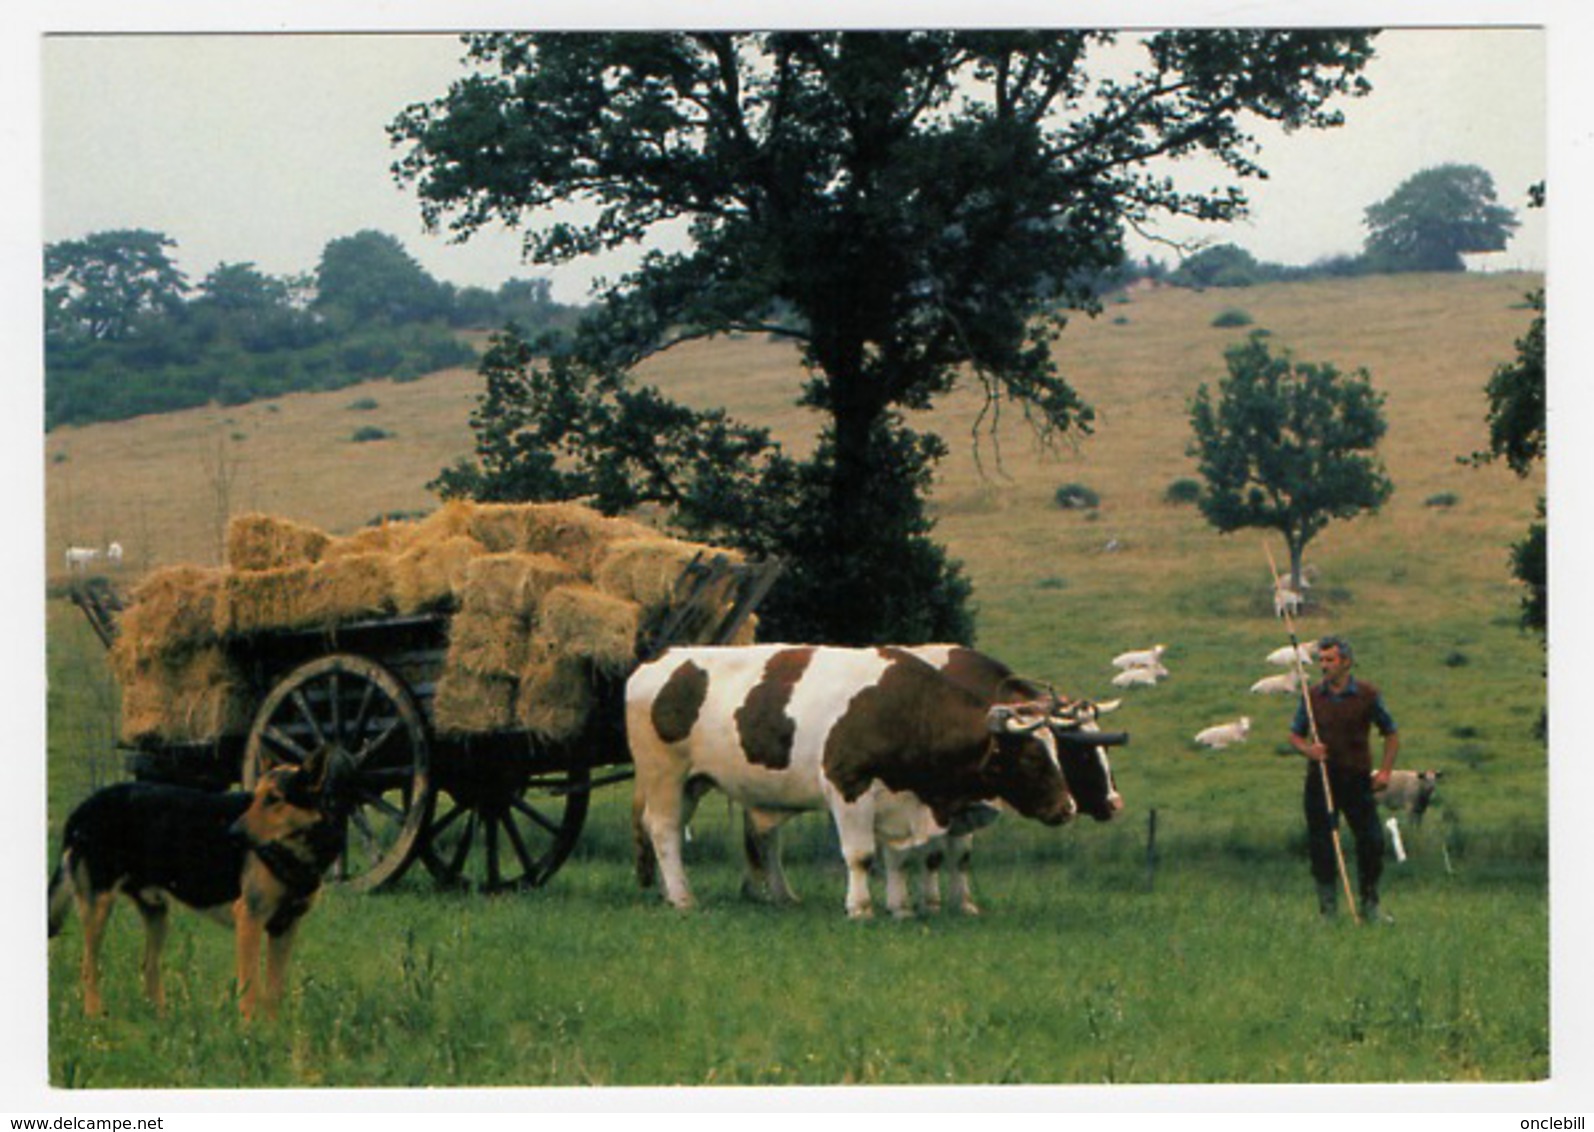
{"points": [[252, 859]]}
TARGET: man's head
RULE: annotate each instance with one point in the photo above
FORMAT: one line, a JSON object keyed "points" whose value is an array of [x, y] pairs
{"points": [[1335, 657]]}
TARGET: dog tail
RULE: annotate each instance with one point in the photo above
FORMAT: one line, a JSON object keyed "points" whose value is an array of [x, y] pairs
{"points": [[60, 894]]}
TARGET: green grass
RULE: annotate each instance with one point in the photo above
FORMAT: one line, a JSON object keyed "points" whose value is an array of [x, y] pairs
{"points": [[1085, 967]]}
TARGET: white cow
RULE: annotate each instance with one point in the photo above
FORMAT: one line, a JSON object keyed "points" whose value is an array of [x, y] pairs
{"points": [[1225, 734], [113, 553], [81, 557]]}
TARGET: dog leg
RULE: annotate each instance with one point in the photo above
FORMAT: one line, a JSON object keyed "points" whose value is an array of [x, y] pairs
{"points": [[247, 929], [155, 921], [93, 910], [279, 949]]}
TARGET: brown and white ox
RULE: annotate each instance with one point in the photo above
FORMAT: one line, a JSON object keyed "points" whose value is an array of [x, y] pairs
{"points": [[1086, 768], [896, 750]]}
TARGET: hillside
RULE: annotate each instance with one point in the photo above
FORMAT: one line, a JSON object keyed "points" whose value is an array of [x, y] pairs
{"points": [[161, 485]]}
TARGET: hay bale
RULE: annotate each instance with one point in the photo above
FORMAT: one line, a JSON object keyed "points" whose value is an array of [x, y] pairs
{"points": [[511, 584], [485, 644], [265, 542], [645, 570], [197, 698], [384, 538], [581, 621], [252, 600], [555, 697], [319, 594], [465, 703], [428, 575], [451, 520], [578, 535], [172, 611], [348, 588]]}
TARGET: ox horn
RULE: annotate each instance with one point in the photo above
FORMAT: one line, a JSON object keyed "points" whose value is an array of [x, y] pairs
{"points": [[1003, 718]]}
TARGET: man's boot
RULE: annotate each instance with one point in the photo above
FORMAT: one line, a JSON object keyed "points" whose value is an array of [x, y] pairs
{"points": [[1327, 900], [1371, 914]]}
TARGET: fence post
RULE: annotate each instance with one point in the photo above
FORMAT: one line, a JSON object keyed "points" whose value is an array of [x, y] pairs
{"points": [[1151, 848]]}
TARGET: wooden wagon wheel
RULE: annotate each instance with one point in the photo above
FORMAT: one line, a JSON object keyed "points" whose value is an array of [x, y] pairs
{"points": [[500, 827], [380, 772]]}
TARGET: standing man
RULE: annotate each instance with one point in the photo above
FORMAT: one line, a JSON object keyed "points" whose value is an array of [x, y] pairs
{"points": [[1345, 710]]}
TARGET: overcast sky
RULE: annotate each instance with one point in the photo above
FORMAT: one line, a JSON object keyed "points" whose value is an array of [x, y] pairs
{"points": [[262, 148]]}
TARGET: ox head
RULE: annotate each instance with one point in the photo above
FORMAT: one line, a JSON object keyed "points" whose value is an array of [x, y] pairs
{"points": [[1427, 783], [1022, 764], [1082, 750]]}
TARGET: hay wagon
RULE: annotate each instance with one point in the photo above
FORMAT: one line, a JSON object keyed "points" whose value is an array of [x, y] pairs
{"points": [[487, 799]]}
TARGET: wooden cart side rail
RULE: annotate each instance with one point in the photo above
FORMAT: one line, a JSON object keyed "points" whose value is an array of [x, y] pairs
{"points": [[101, 605]]}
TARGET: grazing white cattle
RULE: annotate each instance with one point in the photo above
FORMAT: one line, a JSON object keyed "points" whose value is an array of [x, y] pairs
{"points": [[1140, 658], [1286, 600], [1287, 656], [113, 553], [1284, 684], [894, 749], [1225, 734], [1410, 791], [81, 557], [1139, 677]]}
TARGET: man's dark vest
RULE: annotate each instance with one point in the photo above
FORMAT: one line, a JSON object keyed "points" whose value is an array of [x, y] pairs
{"points": [[1343, 723]]}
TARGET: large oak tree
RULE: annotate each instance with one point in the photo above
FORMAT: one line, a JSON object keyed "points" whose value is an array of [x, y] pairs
{"points": [[911, 208]]}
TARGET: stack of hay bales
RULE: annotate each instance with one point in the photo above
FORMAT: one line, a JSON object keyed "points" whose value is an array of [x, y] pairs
{"points": [[541, 597], [177, 684]]}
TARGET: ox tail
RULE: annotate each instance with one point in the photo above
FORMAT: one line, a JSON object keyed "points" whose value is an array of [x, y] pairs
{"points": [[61, 892], [647, 862]]}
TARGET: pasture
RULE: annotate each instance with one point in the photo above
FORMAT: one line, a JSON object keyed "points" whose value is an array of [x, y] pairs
{"points": [[1095, 961]]}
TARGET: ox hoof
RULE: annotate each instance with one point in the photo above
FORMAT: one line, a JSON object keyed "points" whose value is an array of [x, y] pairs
{"points": [[903, 914], [968, 909], [866, 912]]}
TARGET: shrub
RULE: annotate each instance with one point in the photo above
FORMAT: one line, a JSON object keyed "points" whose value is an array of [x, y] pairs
{"points": [[1233, 316], [364, 404], [1443, 499], [1052, 583], [369, 433], [1076, 497], [1184, 490]]}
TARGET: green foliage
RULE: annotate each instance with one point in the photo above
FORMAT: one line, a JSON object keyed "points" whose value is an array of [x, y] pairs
{"points": [[1183, 490], [1443, 499], [1516, 393], [1287, 446], [1076, 497], [369, 278], [103, 286], [1231, 317], [367, 433], [1530, 566], [363, 404], [1436, 216], [1224, 265]]}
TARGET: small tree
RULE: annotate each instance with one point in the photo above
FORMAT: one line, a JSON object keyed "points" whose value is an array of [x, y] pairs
{"points": [[1434, 217], [1287, 446], [101, 286], [1517, 421]]}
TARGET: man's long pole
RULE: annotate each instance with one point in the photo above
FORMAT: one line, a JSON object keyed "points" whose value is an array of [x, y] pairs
{"points": [[1311, 721]]}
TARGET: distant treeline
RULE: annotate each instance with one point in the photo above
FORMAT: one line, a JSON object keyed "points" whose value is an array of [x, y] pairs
{"points": [[126, 334], [1228, 265]]}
